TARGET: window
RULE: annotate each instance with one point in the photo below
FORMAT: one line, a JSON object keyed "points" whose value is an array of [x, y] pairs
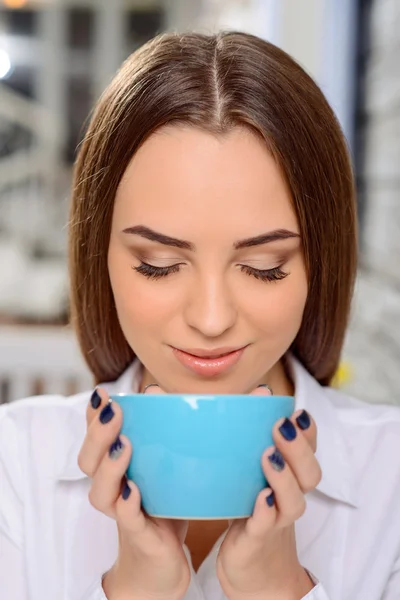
{"points": [[142, 25], [20, 22], [80, 28]]}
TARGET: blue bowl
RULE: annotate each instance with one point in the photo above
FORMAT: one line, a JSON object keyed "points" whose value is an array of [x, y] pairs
{"points": [[199, 456]]}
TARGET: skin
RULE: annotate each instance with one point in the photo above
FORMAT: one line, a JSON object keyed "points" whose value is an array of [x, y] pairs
{"points": [[212, 192]]}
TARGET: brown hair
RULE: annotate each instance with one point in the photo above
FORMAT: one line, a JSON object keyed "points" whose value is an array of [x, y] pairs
{"points": [[216, 82]]}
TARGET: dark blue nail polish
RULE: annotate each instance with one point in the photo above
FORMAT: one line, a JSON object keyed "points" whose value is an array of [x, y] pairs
{"points": [[126, 492], [277, 461], [303, 420], [270, 499], [288, 430], [106, 414], [116, 449], [95, 400]]}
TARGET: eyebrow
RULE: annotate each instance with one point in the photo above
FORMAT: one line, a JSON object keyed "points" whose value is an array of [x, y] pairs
{"points": [[166, 240]]}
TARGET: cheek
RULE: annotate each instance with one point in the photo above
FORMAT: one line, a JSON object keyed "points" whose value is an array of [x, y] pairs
{"points": [[278, 311], [140, 303]]}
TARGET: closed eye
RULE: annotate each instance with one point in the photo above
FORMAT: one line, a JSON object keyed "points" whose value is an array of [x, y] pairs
{"points": [[152, 272], [266, 275], [275, 274]]}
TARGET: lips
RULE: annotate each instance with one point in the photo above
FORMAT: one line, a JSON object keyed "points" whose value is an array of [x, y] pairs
{"points": [[216, 353], [209, 363]]}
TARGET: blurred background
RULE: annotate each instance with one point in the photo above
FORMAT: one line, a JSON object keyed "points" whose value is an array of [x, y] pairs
{"points": [[56, 57]]}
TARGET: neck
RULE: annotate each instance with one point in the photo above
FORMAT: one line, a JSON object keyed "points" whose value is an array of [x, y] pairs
{"points": [[279, 380]]}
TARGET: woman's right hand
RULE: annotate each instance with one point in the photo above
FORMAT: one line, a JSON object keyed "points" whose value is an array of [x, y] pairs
{"points": [[151, 561]]}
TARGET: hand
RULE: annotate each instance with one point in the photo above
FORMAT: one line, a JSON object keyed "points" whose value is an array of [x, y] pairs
{"points": [[258, 556], [151, 560]]}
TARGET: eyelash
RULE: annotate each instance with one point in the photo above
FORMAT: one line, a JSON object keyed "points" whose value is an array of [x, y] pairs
{"points": [[152, 272]]}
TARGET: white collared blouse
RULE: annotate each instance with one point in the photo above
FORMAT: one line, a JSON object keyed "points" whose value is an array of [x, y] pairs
{"points": [[55, 546]]}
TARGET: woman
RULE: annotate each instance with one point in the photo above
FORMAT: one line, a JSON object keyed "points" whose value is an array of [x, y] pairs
{"points": [[212, 249]]}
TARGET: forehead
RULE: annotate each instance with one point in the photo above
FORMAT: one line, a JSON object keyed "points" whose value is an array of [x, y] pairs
{"points": [[187, 174]]}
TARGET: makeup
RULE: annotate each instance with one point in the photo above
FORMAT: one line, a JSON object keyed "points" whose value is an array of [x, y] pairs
{"points": [[215, 363]]}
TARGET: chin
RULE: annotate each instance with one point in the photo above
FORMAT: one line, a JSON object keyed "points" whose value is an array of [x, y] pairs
{"points": [[216, 385]]}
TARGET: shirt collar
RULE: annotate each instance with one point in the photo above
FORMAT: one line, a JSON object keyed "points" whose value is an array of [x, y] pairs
{"points": [[333, 452]]}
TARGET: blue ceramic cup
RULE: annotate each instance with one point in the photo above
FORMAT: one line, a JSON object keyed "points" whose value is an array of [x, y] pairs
{"points": [[199, 456]]}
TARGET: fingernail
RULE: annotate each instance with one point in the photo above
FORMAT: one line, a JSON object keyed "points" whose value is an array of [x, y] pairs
{"points": [[95, 400], [106, 414], [277, 461], [264, 385], [288, 430], [270, 499], [116, 449], [149, 386], [126, 492], [303, 420]]}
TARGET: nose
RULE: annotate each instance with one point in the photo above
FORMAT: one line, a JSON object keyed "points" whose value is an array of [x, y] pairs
{"points": [[210, 307]]}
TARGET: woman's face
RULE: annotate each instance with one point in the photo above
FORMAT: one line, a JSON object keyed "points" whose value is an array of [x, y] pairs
{"points": [[205, 259]]}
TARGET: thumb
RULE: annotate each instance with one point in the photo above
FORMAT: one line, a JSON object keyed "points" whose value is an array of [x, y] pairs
{"points": [[153, 388], [262, 390]]}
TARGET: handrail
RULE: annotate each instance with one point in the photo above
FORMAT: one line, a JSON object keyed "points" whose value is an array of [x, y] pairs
{"points": [[30, 114], [48, 132], [20, 166]]}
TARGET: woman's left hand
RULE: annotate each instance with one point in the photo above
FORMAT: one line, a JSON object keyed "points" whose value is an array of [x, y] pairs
{"points": [[258, 557]]}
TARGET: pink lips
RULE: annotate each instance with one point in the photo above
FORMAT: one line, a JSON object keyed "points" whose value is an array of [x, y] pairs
{"points": [[209, 363]]}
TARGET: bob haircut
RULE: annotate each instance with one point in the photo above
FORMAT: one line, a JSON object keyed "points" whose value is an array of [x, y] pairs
{"points": [[215, 83]]}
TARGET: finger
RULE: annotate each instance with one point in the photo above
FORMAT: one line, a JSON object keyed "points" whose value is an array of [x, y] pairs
{"points": [[298, 453], [132, 522], [102, 431], [264, 515], [98, 400], [306, 424], [108, 479], [153, 388], [129, 515], [261, 390], [289, 498]]}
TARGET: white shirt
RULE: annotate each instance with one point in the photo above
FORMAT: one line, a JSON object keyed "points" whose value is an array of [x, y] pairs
{"points": [[55, 546]]}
